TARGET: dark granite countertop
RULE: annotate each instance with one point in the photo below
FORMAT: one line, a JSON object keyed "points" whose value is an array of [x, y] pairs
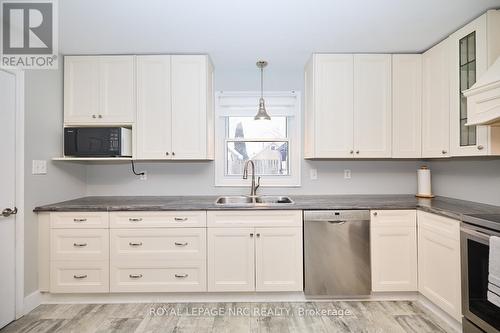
{"points": [[453, 208]]}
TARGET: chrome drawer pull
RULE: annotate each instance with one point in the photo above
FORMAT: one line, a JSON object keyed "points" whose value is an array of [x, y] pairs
{"points": [[79, 220], [135, 276], [135, 244], [181, 244], [138, 219], [79, 244], [180, 219], [84, 276], [181, 276]]}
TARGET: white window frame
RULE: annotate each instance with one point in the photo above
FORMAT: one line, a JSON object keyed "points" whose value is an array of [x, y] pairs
{"points": [[245, 103]]}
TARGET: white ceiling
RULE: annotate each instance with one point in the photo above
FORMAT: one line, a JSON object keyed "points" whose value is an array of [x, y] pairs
{"points": [[237, 32]]}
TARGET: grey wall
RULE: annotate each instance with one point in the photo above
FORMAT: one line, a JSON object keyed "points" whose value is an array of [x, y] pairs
{"points": [[475, 179], [167, 178], [43, 140]]}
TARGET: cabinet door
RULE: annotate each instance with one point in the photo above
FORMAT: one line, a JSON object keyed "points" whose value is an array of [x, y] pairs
{"points": [[333, 105], [439, 263], [81, 89], [406, 105], [189, 106], [154, 109], [436, 102], [394, 250], [231, 259], [278, 262], [469, 61], [372, 105], [117, 86]]}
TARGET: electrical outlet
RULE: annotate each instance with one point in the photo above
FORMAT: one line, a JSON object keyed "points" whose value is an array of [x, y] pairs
{"points": [[144, 175], [39, 167], [313, 173], [347, 174]]}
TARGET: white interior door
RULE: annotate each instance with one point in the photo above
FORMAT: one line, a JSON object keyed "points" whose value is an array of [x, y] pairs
{"points": [[7, 197]]}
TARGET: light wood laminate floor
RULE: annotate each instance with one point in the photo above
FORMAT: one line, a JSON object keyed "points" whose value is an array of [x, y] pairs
{"points": [[341, 316]]}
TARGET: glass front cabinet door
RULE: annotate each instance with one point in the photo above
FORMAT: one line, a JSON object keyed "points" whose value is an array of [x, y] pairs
{"points": [[472, 53]]}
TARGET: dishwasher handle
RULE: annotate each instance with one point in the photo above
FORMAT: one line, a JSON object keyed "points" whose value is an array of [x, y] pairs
{"points": [[328, 221]]}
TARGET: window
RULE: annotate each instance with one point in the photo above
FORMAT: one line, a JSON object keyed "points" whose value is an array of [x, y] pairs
{"points": [[273, 145], [467, 79]]}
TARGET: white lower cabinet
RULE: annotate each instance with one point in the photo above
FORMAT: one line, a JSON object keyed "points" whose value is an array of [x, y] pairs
{"points": [[278, 259], [255, 258], [168, 254], [394, 250], [439, 262], [231, 259]]}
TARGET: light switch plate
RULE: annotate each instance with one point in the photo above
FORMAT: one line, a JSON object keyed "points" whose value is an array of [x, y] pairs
{"points": [[144, 175], [39, 167], [313, 173], [347, 174]]}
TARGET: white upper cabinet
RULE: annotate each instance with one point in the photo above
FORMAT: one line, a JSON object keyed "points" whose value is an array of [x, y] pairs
{"points": [[473, 49], [81, 89], [99, 89], [407, 106], [348, 106], [192, 106], [329, 106], [174, 107], [372, 106], [436, 101], [154, 107]]}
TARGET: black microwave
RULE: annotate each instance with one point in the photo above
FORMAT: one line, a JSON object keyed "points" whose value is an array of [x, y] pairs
{"points": [[97, 142]]}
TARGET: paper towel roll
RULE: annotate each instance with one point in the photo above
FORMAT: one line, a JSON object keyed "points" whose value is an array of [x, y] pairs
{"points": [[424, 182]]}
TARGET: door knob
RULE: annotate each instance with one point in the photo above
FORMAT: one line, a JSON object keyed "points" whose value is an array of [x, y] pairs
{"points": [[480, 147], [8, 212]]}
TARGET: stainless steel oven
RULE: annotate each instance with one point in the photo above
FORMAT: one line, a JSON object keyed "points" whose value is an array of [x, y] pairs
{"points": [[479, 314]]}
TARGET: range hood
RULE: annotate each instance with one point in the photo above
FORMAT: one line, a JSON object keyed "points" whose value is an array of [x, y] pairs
{"points": [[483, 98]]}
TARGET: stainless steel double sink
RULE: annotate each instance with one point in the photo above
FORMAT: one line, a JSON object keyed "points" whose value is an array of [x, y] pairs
{"points": [[247, 201]]}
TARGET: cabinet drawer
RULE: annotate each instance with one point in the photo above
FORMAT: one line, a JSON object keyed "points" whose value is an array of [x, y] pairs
{"points": [[79, 244], [154, 276], [158, 219], [444, 226], [79, 220], [79, 277], [393, 218], [158, 244], [240, 218]]}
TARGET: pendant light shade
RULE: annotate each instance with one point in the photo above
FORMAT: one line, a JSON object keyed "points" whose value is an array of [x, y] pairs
{"points": [[262, 113]]}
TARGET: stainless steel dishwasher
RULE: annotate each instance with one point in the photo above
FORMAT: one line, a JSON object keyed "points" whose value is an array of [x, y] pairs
{"points": [[337, 253]]}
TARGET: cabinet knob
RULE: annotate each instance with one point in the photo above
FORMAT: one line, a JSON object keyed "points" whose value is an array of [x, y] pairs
{"points": [[251, 235], [443, 152], [352, 152], [357, 151], [375, 213], [94, 116], [173, 153], [258, 235], [167, 153], [480, 147], [100, 116]]}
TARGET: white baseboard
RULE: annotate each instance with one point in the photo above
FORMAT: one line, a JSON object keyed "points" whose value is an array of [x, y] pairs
{"points": [[204, 297], [451, 322], [31, 302], [48, 298]]}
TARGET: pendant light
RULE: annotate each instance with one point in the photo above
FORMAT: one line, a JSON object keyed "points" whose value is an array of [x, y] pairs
{"points": [[262, 113]]}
